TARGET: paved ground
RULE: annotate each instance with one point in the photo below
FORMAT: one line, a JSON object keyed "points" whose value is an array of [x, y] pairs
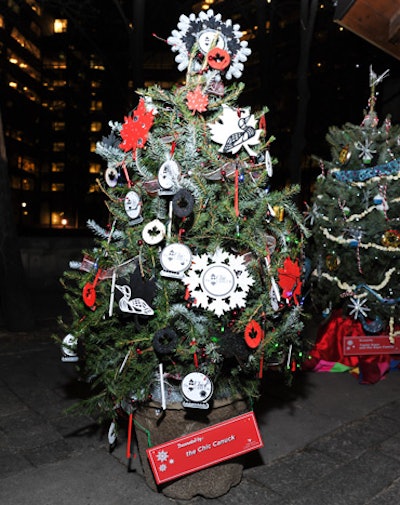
{"points": [[328, 440]]}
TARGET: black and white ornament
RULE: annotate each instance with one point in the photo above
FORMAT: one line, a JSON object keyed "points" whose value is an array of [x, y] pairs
{"points": [[69, 348], [196, 390], [175, 259], [133, 207]]}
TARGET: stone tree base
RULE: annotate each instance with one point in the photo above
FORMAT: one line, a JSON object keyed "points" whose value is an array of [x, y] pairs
{"points": [[175, 422]]}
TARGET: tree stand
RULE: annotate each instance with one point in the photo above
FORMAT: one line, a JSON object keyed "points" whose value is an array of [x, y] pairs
{"points": [[175, 421]]}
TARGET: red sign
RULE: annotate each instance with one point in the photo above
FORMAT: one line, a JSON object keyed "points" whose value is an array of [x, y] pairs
{"points": [[204, 448], [380, 344]]}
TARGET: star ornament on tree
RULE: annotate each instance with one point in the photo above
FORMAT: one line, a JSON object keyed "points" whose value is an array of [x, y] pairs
{"points": [[289, 280], [358, 308], [236, 128], [135, 129], [219, 282]]}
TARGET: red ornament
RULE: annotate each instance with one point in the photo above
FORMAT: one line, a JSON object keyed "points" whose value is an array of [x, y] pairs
{"points": [[135, 129], [289, 280], [218, 59], [196, 100], [253, 334]]}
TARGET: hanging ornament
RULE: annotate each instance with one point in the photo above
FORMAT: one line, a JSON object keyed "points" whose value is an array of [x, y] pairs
{"points": [[165, 341], [197, 101], [236, 128], [168, 177], [183, 203], [133, 207], [279, 212], [135, 129], [391, 238], [344, 155], [289, 280], [175, 260], [69, 348], [367, 151], [378, 199], [218, 282], [196, 390], [207, 32], [89, 291], [268, 164], [218, 59], [135, 294], [332, 261], [154, 232], [357, 306], [111, 176], [253, 334], [130, 305]]}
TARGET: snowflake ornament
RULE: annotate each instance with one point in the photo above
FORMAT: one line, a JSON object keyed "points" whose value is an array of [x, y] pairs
{"points": [[218, 282], [236, 128], [357, 306], [207, 33]]}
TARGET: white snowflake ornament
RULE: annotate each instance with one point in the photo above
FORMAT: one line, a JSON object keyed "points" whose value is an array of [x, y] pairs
{"points": [[358, 307], [236, 128], [218, 282], [204, 33]]}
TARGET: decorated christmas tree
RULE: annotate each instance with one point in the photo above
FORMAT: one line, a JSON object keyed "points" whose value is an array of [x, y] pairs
{"points": [[354, 219], [194, 287]]}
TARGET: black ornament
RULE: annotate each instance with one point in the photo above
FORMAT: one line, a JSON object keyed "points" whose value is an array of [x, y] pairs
{"points": [[183, 203], [165, 341]]}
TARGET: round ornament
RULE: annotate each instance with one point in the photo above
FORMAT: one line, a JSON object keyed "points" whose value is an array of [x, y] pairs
{"points": [[154, 232], [218, 59], [378, 200], [168, 175], [183, 203], [132, 204], [332, 262], [391, 238], [111, 176], [197, 387], [175, 260], [253, 334], [165, 341]]}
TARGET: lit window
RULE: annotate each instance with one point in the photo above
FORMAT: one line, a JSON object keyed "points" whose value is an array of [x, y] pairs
{"points": [[93, 146], [57, 186], [94, 168], [95, 126], [96, 105], [60, 25], [27, 184], [58, 146], [2, 23], [93, 188], [57, 219], [58, 125], [57, 167]]}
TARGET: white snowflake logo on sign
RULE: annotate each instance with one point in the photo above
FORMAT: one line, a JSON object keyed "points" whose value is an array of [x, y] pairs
{"points": [[162, 456], [219, 282], [236, 128]]}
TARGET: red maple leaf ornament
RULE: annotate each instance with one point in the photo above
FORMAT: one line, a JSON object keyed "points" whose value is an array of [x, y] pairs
{"points": [[289, 280], [197, 101], [135, 129]]}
